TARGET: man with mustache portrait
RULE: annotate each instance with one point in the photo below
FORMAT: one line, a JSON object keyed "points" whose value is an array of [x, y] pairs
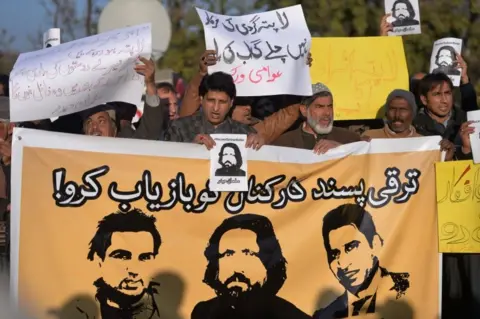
{"points": [[446, 60], [246, 269], [404, 14], [317, 132], [353, 245], [230, 159], [124, 248]]}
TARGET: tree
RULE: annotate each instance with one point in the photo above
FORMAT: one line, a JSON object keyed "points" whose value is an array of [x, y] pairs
{"points": [[7, 55], [188, 39], [440, 18], [65, 14]]}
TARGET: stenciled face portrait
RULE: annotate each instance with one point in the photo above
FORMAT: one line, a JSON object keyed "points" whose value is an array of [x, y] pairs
{"points": [[228, 158], [128, 262], [399, 115], [240, 268], [352, 257], [445, 57], [99, 124], [400, 11], [216, 105]]}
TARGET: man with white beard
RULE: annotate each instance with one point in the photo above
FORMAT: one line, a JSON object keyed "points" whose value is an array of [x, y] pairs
{"points": [[317, 132]]}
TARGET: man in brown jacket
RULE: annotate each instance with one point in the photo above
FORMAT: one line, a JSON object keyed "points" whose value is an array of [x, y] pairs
{"points": [[317, 133], [270, 128], [400, 110]]}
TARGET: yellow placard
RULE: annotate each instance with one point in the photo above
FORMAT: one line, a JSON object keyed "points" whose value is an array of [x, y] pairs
{"points": [[360, 72], [458, 203]]}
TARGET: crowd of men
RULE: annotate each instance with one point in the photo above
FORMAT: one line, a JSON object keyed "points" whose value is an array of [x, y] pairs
{"points": [[210, 105]]}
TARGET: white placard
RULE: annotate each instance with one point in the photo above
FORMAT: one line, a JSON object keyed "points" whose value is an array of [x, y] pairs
{"points": [[78, 75], [444, 58], [474, 116], [51, 38], [265, 53], [405, 16], [228, 163]]}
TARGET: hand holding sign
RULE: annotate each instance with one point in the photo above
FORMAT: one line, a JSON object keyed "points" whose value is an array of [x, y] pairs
{"points": [[209, 58]]}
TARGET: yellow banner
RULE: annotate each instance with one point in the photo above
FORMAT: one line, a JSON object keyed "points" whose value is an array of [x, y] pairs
{"points": [[360, 72], [458, 203], [105, 235]]}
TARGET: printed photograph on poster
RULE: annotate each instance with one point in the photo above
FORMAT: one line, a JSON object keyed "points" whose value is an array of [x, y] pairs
{"points": [[228, 163], [404, 16], [474, 116], [444, 58]]}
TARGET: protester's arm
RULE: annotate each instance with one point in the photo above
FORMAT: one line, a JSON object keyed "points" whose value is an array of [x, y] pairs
{"points": [[464, 152], [273, 126], [191, 101], [385, 26], [150, 127], [467, 90]]}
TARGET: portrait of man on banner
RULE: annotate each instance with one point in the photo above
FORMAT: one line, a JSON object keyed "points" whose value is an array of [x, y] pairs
{"points": [[246, 269], [124, 246], [404, 14], [446, 61], [230, 160], [353, 244]]}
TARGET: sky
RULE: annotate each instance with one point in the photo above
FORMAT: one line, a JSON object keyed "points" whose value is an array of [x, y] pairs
{"points": [[25, 17]]}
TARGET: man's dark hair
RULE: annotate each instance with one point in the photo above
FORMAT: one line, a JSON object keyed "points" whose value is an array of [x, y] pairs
{"points": [[132, 221], [431, 81], [410, 9], [165, 86], [345, 215], [449, 48], [270, 251], [220, 82], [236, 149], [5, 80]]}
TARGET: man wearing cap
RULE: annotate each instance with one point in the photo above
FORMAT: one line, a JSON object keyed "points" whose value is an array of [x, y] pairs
{"points": [[102, 120], [317, 132], [400, 110]]}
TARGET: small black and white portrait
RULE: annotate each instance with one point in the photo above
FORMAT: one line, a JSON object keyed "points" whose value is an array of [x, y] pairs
{"points": [[353, 245], [446, 61], [230, 160], [404, 14], [246, 269]]}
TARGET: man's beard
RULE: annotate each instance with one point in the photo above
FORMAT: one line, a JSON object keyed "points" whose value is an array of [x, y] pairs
{"points": [[106, 292], [235, 295], [401, 17], [227, 164], [316, 127]]}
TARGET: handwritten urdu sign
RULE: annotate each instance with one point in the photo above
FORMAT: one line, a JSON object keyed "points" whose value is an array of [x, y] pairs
{"points": [[78, 75], [458, 195], [361, 72], [265, 52]]}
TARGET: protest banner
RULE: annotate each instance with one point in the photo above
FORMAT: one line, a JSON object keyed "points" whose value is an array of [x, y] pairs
{"points": [[359, 219], [266, 52], [78, 75], [360, 72], [458, 195]]}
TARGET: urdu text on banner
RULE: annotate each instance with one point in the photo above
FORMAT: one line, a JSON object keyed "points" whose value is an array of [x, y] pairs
{"points": [[265, 52], [78, 75], [138, 219]]}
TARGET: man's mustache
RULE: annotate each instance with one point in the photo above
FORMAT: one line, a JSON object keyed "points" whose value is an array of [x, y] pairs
{"points": [[238, 277]]}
